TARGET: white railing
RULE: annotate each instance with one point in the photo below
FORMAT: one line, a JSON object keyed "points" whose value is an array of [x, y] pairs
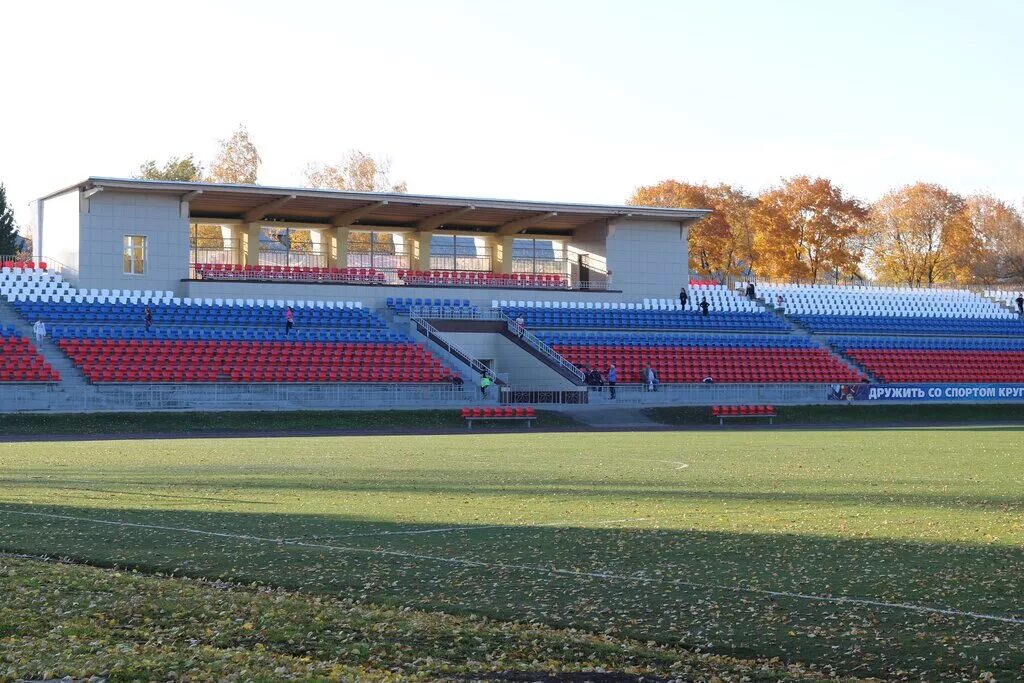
{"points": [[233, 396]]}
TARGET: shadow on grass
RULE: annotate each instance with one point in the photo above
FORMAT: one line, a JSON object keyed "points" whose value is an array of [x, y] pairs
{"points": [[851, 415], [846, 491], [738, 594], [47, 426]]}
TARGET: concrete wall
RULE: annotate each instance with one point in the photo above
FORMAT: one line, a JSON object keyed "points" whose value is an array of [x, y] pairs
{"points": [[648, 258], [58, 229], [522, 369], [591, 238], [108, 216]]}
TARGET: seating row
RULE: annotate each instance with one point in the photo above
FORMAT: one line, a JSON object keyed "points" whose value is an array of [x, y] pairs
{"points": [[196, 314], [881, 301], [726, 411], [499, 412], [837, 324], [311, 335], [655, 340], [925, 343], [197, 361], [691, 365], [311, 274], [20, 361], [461, 308], [472, 278], [643, 319], [942, 366], [23, 266]]}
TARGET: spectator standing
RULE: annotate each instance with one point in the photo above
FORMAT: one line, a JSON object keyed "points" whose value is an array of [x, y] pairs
{"points": [[613, 376], [1020, 305], [753, 291], [289, 320], [520, 325], [485, 382], [684, 297], [148, 317], [652, 379], [40, 330], [704, 306], [780, 301]]}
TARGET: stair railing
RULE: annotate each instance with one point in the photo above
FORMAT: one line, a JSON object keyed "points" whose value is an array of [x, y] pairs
{"points": [[434, 335], [534, 342]]}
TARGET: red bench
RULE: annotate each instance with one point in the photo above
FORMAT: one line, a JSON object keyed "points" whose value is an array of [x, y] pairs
{"points": [[724, 412], [527, 415]]}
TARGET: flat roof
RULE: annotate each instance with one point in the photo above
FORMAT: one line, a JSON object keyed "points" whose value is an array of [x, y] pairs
{"points": [[342, 207]]}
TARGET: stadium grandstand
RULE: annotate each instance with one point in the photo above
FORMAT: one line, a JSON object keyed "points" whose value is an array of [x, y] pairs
{"points": [[169, 295]]}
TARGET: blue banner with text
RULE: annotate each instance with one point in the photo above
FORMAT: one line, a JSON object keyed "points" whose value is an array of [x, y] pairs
{"points": [[938, 393]]}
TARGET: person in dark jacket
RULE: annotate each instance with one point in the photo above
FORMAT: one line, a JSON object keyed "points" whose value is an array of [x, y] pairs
{"points": [[148, 318], [704, 305], [1020, 305], [684, 297]]}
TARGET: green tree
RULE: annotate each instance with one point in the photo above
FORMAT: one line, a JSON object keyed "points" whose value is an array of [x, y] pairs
{"points": [[10, 241], [176, 168]]}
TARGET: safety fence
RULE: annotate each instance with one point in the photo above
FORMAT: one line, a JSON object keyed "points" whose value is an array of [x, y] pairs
{"points": [[299, 396]]}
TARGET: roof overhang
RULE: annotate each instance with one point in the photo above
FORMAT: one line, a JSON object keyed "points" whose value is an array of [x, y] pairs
{"points": [[335, 207]]}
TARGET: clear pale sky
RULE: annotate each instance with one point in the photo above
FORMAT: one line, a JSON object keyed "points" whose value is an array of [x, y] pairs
{"points": [[575, 101]]}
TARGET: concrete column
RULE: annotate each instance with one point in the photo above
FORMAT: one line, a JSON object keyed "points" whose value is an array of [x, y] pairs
{"points": [[231, 234], [503, 253], [337, 247], [421, 250], [486, 245], [251, 242]]}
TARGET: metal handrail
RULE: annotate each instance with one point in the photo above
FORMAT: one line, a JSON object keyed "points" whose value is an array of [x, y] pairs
{"points": [[433, 333], [52, 265], [535, 342]]}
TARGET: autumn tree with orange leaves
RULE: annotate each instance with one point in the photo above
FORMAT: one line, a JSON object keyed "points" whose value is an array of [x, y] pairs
{"points": [[719, 244], [921, 235], [807, 230], [999, 231]]}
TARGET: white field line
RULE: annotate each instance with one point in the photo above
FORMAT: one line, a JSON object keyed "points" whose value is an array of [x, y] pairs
{"points": [[678, 465], [453, 529], [550, 571]]}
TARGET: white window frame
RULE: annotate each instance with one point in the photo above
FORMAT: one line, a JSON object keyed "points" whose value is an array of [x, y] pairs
{"points": [[129, 253]]}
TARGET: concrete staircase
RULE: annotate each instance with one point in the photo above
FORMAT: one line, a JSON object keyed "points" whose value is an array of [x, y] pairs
{"points": [[70, 376], [818, 340]]}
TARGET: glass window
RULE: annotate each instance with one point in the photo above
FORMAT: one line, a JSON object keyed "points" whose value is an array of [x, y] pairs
{"points": [[135, 254]]}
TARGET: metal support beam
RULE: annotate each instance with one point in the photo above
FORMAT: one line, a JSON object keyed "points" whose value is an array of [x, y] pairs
{"points": [[189, 196], [260, 212], [91, 192], [512, 227], [433, 222], [349, 217]]}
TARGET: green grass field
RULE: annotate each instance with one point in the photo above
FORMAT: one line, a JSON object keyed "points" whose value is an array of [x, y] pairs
{"points": [[888, 553]]}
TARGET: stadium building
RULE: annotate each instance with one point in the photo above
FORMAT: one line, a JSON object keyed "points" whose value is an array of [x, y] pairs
{"points": [[169, 295]]}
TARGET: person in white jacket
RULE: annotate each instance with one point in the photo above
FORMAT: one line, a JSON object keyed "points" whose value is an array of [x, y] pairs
{"points": [[40, 329]]}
